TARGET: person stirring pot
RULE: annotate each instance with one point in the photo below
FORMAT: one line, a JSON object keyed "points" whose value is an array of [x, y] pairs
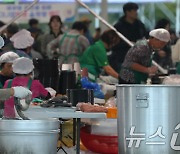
{"points": [[137, 65]]}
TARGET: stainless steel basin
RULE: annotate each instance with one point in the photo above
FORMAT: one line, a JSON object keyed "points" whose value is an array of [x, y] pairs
{"points": [[29, 136]]}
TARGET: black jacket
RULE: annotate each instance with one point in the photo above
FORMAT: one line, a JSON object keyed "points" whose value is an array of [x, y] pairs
{"points": [[133, 32]]}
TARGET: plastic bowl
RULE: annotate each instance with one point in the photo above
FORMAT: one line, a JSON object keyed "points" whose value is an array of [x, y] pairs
{"points": [[98, 143]]}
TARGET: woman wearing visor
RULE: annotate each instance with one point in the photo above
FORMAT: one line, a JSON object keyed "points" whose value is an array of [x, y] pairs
{"points": [[137, 65]]}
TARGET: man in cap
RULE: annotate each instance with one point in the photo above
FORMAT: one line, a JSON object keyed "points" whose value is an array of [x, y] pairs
{"points": [[132, 28], [137, 64], [6, 61]]}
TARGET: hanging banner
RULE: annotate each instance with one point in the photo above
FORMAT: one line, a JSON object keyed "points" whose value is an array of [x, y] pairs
{"points": [[41, 11]]}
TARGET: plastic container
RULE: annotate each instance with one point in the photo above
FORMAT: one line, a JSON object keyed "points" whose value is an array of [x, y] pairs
{"points": [[99, 143], [112, 112], [111, 102]]}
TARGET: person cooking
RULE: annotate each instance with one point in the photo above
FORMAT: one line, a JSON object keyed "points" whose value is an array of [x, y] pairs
{"points": [[95, 58], [137, 64], [6, 61], [23, 69]]}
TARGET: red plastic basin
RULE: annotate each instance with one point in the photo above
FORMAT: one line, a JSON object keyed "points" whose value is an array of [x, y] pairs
{"points": [[98, 143]]}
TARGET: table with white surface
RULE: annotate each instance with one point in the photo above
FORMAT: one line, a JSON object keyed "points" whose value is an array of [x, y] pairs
{"points": [[35, 112]]}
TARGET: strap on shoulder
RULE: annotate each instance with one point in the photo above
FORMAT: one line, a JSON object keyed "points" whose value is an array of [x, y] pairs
{"points": [[9, 83], [29, 83]]}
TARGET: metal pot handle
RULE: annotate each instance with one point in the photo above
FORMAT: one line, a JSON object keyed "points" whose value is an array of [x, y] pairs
{"points": [[142, 100]]}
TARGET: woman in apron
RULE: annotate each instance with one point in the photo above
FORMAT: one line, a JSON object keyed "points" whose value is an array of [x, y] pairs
{"points": [[137, 65], [23, 68], [69, 47]]}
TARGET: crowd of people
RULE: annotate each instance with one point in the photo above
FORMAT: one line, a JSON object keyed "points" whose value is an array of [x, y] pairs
{"points": [[126, 63]]}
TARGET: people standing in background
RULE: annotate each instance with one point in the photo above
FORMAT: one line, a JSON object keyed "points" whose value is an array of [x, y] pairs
{"points": [[10, 31], [34, 23], [88, 35], [69, 47], [55, 25], [132, 28], [163, 56], [36, 33], [97, 34], [36, 47], [6, 61]]}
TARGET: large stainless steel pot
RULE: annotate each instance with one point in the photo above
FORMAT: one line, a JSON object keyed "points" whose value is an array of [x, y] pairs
{"points": [[28, 136], [149, 115]]}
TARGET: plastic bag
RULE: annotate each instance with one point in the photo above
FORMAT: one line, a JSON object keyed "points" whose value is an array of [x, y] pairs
{"points": [[172, 80], [111, 102], [91, 85]]}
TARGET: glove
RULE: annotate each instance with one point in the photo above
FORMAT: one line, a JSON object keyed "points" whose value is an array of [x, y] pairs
{"points": [[21, 92], [90, 85]]}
